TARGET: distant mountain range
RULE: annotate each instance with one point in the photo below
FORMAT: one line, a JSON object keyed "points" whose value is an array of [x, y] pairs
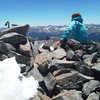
{"points": [[42, 32]]}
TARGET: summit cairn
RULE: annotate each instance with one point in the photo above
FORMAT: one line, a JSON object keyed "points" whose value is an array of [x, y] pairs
{"points": [[63, 74]]}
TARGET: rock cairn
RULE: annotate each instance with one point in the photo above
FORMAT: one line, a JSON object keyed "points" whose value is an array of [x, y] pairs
{"points": [[72, 73]]}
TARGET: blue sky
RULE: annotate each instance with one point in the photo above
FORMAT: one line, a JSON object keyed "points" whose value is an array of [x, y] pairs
{"points": [[48, 12]]}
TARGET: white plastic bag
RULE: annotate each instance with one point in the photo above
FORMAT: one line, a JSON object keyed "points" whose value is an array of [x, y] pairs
{"points": [[11, 87]]}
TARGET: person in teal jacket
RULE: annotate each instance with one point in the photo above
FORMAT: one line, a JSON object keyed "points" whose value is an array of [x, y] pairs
{"points": [[77, 29]]}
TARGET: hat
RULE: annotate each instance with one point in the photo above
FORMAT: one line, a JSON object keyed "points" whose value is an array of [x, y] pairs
{"points": [[76, 15]]}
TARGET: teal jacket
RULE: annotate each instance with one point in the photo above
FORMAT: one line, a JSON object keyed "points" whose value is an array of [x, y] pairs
{"points": [[77, 29]]}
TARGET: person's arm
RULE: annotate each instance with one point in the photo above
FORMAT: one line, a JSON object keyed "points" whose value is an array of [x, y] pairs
{"points": [[69, 30]]}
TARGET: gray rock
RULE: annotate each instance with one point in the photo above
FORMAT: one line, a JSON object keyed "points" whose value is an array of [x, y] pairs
{"points": [[11, 47], [34, 49], [25, 49], [20, 58], [89, 56], [68, 95], [43, 61], [79, 53], [92, 47], [41, 50], [83, 68], [40, 96], [96, 67], [84, 77], [47, 42], [18, 29], [70, 54], [72, 85], [45, 47], [96, 70], [93, 96], [3, 48], [60, 64], [31, 39], [98, 60], [23, 67], [88, 62], [23, 59], [73, 44], [50, 82], [36, 97], [14, 38], [59, 53], [56, 44], [78, 84], [36, 74], [60, 71], [2, 57], [67, 77], [96, 57], [90, 86]]}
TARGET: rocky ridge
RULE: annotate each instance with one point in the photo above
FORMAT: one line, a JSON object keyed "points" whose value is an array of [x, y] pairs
{"points": [[71, 73]]}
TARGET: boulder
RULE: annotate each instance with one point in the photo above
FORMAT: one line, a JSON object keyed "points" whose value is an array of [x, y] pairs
{"points": [[96, 70], [11, 47], [70, 54], [83, 68], [68, 95], [18, 29], [92, 47], [34, 49], [98, 60], [88, 62], [72, 85], [96, 57], [90, 86], [23, 67], [96, 67], [14, 38], [3, 48], [45, 47], [31, 39], [93, 96], [25, 49], [50, 82], [78, 83], [79, 53], [36, 74], [84, 78], [66, 78], [43, 60], [89, 56], [60, 64], [55, 45], [19, 58], [60, 71], [2, 57], [73, 44], [59, 53], [40, 96], [41, 50]]}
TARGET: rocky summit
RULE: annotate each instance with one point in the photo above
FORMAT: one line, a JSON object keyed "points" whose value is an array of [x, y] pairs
{"points": [[72, 73]]}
